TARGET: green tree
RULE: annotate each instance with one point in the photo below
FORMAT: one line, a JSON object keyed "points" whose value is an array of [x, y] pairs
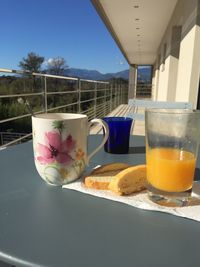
{"points": [[32, 62], [57, 66]]}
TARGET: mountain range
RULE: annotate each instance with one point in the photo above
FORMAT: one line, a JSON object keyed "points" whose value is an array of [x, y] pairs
{"points": [[143, 74], [95, 75]]}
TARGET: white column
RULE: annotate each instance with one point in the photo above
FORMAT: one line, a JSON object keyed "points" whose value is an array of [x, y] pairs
{"points": [[132, 81], [172, 78], [155, 81], [167, 79], [189, 67], [173, 62], [163, 68]]}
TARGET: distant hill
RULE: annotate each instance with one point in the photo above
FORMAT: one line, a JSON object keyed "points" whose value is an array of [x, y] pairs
{"points": [[144, 74], [95, 75]]}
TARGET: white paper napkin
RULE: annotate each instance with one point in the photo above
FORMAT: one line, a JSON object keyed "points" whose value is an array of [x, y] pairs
{"points": [[141, 200]]}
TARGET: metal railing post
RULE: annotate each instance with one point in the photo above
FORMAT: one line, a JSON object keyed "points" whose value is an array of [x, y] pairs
{"points": [[119, 94], [111, 97], [45, 95], [114, 95], [95, 100], [122, 102], [79, 95], [105, 90]]}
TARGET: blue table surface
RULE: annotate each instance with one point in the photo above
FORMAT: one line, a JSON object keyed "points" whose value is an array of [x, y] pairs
{"points": [[43, 225]]}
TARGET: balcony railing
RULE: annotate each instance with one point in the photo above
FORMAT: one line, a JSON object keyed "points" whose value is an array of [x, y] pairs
{"points": [[144, 90], [50, 93]]}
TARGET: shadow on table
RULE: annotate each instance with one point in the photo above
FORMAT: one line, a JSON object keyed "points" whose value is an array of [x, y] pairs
{"points": [[137, 150], [3, 264]]}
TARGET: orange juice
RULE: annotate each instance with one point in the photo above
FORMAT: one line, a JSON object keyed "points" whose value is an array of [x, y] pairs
{"points": [[170, 169]]}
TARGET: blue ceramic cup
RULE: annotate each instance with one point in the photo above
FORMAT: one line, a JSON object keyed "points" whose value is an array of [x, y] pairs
{"points": [[119, 134]]}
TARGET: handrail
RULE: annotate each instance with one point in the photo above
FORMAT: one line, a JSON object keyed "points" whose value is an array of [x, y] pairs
{"points": [[36, 74], [17, 95], [102, 100]]}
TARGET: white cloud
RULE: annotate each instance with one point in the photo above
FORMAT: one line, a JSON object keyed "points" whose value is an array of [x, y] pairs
{"points": [[48, 62]]}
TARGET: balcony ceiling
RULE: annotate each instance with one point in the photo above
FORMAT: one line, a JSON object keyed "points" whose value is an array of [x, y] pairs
{"points": [[137, 26]]}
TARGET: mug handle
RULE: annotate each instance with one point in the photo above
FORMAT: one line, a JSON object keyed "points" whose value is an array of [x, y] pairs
{"points": [[106, 134]]}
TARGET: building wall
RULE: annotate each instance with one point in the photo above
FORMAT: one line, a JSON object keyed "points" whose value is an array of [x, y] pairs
{"points": [[189, 67], [163, 79], [177, 73]]}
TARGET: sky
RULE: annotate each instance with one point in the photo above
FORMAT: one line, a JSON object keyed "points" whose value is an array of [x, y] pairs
{"points": [[71, 29]]}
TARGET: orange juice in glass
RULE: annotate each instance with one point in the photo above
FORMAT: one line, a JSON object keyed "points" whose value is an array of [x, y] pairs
{"points": [[172, 140]]}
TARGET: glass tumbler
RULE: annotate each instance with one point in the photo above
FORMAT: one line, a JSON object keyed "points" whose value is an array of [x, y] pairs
{"points": [[172, 141], [119, 134]]}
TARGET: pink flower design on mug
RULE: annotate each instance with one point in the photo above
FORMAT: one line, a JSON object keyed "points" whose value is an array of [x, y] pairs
{"points": [[56, 150]]}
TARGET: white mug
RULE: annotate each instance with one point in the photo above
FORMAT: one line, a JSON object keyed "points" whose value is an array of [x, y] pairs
{"points": [[60, 145]]}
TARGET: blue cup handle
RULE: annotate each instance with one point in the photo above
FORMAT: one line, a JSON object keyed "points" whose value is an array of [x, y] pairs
{"points": [[106, 130]]}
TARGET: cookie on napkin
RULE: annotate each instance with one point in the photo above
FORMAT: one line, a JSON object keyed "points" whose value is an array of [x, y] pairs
{"points": [[101, 177], [130, 180]]}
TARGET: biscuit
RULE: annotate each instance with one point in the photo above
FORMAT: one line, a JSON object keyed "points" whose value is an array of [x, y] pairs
{"points": [[130, 180], [101, 177]]}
